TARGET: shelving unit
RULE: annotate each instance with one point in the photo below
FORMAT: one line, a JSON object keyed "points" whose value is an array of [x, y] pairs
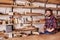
{"points": [[29, 7], [31, 14]]}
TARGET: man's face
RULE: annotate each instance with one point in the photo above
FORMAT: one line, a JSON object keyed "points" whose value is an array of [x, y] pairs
{"points": [[48, 13]]}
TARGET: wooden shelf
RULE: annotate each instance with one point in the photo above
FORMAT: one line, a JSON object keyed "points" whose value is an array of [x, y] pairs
{"points": [[29, 7], [5, 15], [2, 5], [48, 1], [54, 8], [32, 14], [54, 1], [29, 28], [6, 1], [15, 6], [44, 1]]}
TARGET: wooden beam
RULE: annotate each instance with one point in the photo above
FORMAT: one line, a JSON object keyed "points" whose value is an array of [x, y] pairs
{"points": [[2, 5], [54, 1], [6, 1]]}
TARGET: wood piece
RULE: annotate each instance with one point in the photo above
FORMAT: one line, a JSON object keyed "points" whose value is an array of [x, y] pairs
{"points": [[6, 1], [33, 14], [41, 1], [54, 1]]}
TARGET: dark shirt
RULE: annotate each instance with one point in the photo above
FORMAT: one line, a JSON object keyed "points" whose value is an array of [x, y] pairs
{"points": [[50, 22]]}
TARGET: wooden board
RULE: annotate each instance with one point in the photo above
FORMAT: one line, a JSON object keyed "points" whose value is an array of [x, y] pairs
{"points": [[49, 1], [40, 0], [6, 1], [54, 1]]}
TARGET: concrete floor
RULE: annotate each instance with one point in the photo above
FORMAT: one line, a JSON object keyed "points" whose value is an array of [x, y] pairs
{"points": [[39, 37]]}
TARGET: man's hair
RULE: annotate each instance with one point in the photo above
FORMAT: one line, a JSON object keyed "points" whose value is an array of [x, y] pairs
{"points": [[49, 10]]}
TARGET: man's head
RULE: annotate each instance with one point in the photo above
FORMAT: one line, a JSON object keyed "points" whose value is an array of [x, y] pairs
{"points": [[48, 12]]}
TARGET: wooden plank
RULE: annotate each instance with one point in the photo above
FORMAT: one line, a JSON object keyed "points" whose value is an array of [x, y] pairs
{"points": [[6, 1], [49, 1], [29, 14], [54, 1], [41, 1], [30, 0], [15, 6], [2, 5]]}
